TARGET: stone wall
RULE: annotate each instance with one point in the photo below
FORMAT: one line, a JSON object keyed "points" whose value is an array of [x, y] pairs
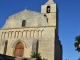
{"points": [[32, 19], [44, 35], [18, 33], [27, 32]]}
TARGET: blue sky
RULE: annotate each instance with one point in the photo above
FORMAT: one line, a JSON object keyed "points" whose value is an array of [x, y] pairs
{"points": [[69, 20]]}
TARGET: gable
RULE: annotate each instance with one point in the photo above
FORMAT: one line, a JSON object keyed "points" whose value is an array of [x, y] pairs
{"points": [[32, 19]]}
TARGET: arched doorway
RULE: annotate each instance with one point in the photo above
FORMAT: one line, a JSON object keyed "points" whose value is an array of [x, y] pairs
{"points": [[19, 49]]}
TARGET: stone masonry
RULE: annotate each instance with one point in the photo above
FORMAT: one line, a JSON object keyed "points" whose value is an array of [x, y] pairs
{"points": [[28, 31]]}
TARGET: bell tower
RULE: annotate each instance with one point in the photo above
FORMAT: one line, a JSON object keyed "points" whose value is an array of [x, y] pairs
{"points": [[50, 10]]}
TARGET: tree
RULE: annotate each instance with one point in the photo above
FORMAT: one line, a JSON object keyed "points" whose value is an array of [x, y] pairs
{"points": [[79, 58], [77, 43]]}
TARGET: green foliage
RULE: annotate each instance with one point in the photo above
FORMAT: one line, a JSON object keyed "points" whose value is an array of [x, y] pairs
{"points": [[77, 42], [77, 38], [37, 55], [79, 58]]}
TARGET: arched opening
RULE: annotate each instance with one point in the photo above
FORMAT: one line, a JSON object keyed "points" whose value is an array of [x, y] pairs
{"points": [[19, 49], [48, 9], [23, 23]]}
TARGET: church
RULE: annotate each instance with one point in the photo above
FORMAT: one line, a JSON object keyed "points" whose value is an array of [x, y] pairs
{"points": [[29, 31]]}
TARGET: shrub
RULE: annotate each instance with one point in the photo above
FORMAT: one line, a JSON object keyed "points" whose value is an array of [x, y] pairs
{"points": [[36, 55]]}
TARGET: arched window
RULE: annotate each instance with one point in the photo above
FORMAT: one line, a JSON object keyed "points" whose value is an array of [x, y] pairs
{"points": [[23, 23], [19, 49], [48, 9]]}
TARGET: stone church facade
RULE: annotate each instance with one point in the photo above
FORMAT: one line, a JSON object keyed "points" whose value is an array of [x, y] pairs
{"points": [[28, 31]]}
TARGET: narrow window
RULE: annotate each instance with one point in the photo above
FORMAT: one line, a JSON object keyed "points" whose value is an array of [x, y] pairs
{"points": [[46, 17], [48, 9], [5, 48], [23, 23], [47, 20]]}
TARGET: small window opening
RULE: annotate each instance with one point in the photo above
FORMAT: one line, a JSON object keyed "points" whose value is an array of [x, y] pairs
{"points": [[46, 17], [48, 9], [23, 23], [47, 20]]}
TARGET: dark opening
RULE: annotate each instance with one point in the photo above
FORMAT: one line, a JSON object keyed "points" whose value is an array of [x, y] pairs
{"points": [[47, 20], [37, 46], [46, 17], [23, 23], [48, 9], [5, 48]]}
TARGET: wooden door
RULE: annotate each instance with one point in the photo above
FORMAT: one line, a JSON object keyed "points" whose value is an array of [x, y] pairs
{"points": [[19, 50]]}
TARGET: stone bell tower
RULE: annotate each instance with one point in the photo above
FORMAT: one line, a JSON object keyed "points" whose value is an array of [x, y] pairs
{"points": [[50, 10]]}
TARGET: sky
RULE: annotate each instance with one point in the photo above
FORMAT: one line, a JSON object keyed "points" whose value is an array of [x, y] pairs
{"points": [[69, 20]]}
